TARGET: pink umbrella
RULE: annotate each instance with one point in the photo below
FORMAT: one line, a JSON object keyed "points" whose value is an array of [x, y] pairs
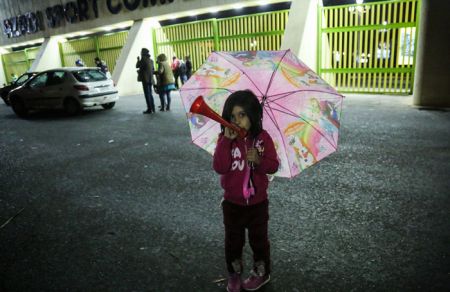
{"points": [[301, 111]]}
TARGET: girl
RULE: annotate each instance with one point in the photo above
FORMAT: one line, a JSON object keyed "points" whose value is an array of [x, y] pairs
{"points": [[243, 165]]}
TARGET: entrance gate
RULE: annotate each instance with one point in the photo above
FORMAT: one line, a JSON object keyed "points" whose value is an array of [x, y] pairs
{"points": [[18, 62], [107, 47], [263, 31], [369, 48]]}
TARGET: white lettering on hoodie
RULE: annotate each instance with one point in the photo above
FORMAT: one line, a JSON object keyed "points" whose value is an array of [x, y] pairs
{"points": [[237, 163]]}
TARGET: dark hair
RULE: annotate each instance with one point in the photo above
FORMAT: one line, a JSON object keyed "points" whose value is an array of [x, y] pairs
{"points": [[161, 58], [250, 103]]}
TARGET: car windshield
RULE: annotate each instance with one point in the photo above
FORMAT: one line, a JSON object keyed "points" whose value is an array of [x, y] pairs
{"points": [[89, 75]]}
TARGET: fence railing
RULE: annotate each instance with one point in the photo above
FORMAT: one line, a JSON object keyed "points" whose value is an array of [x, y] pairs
{"points": [[263, 31], [369, 48], [107, 47], [19, 62]]}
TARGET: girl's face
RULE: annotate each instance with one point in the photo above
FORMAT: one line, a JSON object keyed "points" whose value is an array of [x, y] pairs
{"points": [[239, 117]]}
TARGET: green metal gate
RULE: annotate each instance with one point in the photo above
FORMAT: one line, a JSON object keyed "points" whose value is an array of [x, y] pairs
{"points": [[369, 48], [263, 31], [18, 62], [107, 47]]}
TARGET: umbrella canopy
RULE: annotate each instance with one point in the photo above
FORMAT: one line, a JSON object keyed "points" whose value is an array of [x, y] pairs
{"points": [[301, 112]]}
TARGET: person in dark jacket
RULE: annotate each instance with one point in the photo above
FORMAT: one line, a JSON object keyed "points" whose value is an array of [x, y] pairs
{"points": [[102, 66], [187, 61], [145, 76], [243, 165]]}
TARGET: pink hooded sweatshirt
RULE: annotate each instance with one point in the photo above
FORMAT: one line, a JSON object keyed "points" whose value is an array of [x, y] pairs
{"points": [[230, 161]]}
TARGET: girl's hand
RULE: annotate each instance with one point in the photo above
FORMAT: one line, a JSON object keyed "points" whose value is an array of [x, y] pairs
{"points": [[253, 156], [230, 134]]}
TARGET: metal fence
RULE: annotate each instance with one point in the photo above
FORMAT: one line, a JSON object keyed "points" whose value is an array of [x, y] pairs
{"points": [[369, 48], [107, 47], [19, 62], [263, 31]]}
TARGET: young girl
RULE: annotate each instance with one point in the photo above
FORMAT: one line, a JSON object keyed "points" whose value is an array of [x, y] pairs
{"points": [[243, 165]]}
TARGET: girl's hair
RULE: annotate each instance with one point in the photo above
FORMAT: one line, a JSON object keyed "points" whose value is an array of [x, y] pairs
{"points": [[250, 103]]}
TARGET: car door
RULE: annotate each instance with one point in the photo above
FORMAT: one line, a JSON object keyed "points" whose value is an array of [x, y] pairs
{"points": [[33, 93], [54, 89]]}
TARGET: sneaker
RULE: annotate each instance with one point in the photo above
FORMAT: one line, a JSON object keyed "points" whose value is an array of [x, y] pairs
{"points": [[234, 282], [257, 279]]}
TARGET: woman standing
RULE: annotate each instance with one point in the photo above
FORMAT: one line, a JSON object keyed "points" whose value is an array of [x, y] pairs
{"points": [[165, 82]]}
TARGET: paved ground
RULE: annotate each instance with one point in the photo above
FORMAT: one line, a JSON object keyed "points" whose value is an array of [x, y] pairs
{"points": [[120, 201]]}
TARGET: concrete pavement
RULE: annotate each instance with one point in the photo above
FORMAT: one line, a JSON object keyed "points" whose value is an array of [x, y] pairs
{"points": [[121, 201]]}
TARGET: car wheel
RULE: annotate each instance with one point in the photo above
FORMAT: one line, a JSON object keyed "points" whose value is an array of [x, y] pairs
{"points": [[19, 107], [108, 105], [71, 106], [5, 98]]}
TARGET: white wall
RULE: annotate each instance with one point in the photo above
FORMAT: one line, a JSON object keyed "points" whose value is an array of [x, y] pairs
{"points": [[2, 70], [431, 82], [48, 56], [125, 74], [301, 31]]}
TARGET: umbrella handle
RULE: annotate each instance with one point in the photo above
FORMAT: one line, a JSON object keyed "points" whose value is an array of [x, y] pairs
{"points": [[199, 106]]}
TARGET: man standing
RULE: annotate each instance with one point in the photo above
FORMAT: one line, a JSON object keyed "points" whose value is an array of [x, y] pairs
{"points": [[187, 61], [145, 75], [102, 66]]}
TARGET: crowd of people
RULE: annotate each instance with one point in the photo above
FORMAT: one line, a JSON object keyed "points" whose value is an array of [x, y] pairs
{"points": [[161, 80]]}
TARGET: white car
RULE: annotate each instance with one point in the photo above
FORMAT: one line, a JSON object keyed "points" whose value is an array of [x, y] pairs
{"points": [[71, 89]]}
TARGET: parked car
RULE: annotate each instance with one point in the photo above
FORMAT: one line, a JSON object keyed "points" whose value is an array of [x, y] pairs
{"points": [[71, 89], [21, 80]]}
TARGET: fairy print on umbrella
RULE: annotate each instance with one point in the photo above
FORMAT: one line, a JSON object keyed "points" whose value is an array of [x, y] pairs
{"points": [[301, 111]]}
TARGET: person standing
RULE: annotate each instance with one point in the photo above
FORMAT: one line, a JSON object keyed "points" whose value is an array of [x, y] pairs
{"points": [[243, 165], [145, 76], [182, 69], [187, 61], [102, 65], [13, 77], [165, 81], [79, 63], [175, 69]]}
